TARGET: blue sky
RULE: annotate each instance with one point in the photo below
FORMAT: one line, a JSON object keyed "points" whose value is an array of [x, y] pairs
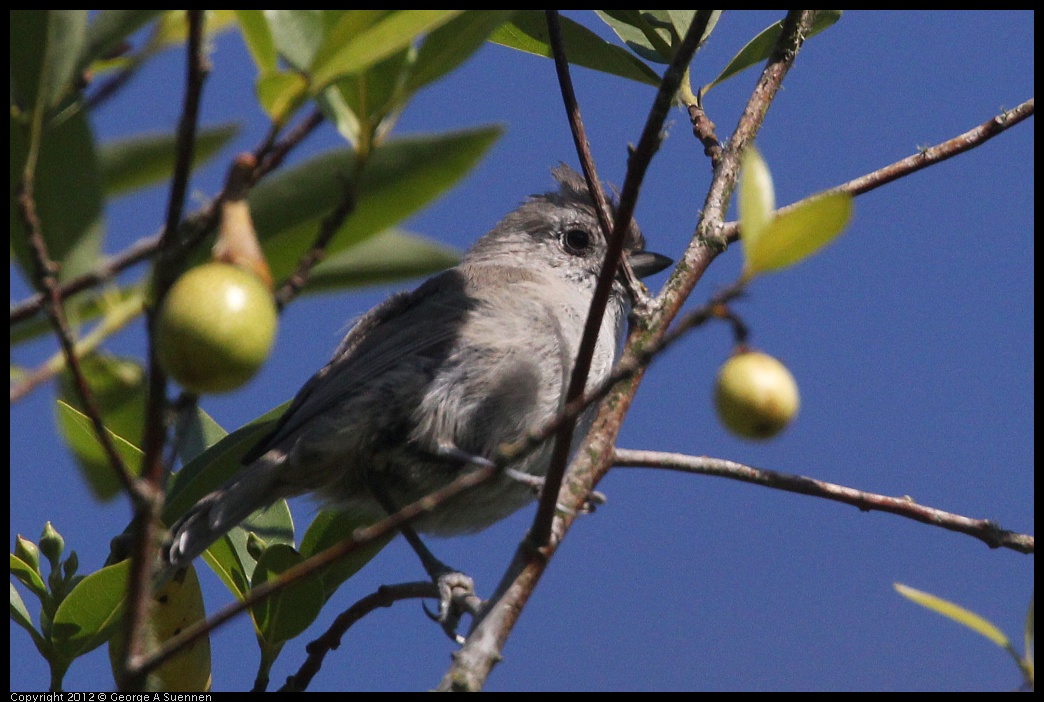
{"points": [[911, 339]]}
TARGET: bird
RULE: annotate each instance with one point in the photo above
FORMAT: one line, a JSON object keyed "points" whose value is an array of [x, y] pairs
{"points": [[433, 381]]}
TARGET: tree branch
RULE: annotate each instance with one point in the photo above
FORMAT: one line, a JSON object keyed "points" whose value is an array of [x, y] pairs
{"points": [[385, 596], [915, 162], [145, 530], [983, 529]]}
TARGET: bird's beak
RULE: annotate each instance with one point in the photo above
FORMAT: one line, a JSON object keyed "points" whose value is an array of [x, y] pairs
{"points": [[645, 263]]}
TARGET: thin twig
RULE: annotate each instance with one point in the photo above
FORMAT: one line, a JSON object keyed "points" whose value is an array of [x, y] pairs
{"points": [[116, 317], [48, 283], [576, 124], [136, 252], [915, 162], [385, 596], [329, 227], [704, 130], [146, 515], [983, 529]]}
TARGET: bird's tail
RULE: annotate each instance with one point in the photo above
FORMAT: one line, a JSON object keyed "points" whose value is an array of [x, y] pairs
{"points": [[254, 488]]}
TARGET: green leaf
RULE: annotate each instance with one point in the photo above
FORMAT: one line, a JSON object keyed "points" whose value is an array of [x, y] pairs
{"points": [[387, 257], [196, 431], [330, 527], [281, 93], [28, 576], [89, 615], [760, 47], [799, 231], [78, 432], [956, 613], [527, 31], [450, 45], [345, 51], [20, 616], [229, 555], [212, 468], [400, 177], [757, 197], [258, 38], [291, 610], [118, 386], [109, 28], [176, 606], [642, 31], [172, 28], [359, 104], [209, 470], [67, 194], [146, 159], [45, 46], [297, 34]]}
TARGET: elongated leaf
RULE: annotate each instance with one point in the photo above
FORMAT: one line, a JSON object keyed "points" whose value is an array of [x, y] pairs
{"points": [[177, 606], [795, 234], [212, 468], [196, 431], [643, 32], [527, 31], [78, 432], [281, 93], [228, 556], [172, 28], [401, 177], [258, 37], [329, 528], [291, 610], [297, 34], [109, 28], [274, 524], [757, 198], [955, 612], [341, 55], [118, 387], [89, 615], [759, 48], [28, 576], [67, 194], [45, 47], [450, 45], [20, 615], [145, 159], [360, 102], [387, 257]]}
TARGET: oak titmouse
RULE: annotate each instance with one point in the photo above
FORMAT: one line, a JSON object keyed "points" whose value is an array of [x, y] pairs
{"points": [[476, 357]]}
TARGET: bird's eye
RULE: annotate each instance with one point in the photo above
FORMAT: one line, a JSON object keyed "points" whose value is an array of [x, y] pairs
{"points": [[576, 241]]}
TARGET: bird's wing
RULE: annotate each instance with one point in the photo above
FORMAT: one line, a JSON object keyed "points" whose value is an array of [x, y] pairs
{"points": [[408, 325]]}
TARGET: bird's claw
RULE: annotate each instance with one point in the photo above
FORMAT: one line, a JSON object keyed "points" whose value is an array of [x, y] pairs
{"points": [[456, 598]]}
